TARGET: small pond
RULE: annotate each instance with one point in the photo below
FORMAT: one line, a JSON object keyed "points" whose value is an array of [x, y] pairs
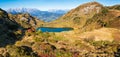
{"points": [[50, 29]]}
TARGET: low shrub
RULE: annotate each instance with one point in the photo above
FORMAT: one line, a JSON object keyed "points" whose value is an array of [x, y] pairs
{"points": [[59, 53], [20, 51], [105, 11]]}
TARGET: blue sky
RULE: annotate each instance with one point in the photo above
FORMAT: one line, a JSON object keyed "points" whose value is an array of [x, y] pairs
{"points": [[50, 4]]}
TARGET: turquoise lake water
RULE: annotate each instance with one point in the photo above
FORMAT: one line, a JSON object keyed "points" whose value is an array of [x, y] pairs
{"points": [[49, 29]]}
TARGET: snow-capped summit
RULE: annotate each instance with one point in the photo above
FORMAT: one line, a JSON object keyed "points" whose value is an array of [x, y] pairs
{"points": [[43, 15]]}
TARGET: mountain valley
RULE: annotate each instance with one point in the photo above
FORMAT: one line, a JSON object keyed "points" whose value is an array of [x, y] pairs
{"points": [[95, 33]]}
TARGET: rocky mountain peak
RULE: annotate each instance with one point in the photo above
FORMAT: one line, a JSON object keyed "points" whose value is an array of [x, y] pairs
{"points": [[87, 9]]}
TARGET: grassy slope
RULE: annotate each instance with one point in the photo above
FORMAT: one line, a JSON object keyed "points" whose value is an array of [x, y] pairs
{"points": [[101, 33], [95, 41], [77, 17]]}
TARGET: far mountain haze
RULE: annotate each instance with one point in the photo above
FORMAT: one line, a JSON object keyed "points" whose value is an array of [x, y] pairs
{"points": [[46, 16]]}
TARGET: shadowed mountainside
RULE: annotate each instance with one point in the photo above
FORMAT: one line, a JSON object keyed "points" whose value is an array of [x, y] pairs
{"points": [[12, 27], [7, 29], [11, 31]]}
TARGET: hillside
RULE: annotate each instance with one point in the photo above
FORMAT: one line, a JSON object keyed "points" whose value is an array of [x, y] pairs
{"points": [[46, 16], [110, 19], [88, 16], [115, 7], [96, 34], [79, 15], [7, 28], [13, 28], [26, 20]]}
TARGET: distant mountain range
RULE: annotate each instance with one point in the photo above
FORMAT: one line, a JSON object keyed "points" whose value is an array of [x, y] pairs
{"points": [[46, 16]]}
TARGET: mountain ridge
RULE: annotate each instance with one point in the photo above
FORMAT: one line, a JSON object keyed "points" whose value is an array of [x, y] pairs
{"points": [[96, 34], [46, 16], [83, 11], [87, 15]]}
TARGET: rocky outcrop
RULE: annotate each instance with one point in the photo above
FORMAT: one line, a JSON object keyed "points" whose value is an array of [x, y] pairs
{"points": [[26, 20]]}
